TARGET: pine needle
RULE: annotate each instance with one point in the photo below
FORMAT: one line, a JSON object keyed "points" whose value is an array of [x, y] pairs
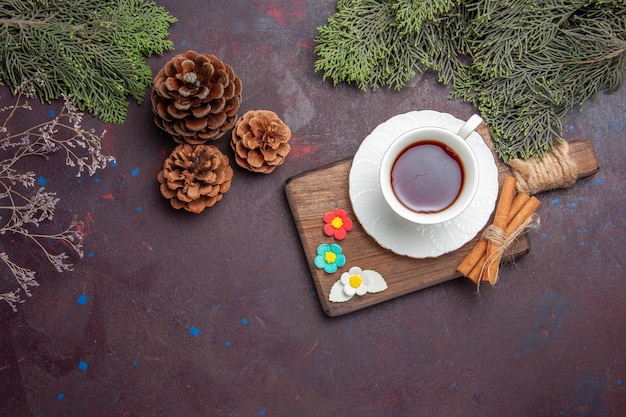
{"points": [[91, 50], [524, 64]]}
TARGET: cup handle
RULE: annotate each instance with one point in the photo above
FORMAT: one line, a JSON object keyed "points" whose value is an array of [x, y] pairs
{"points": [[472, 123]]}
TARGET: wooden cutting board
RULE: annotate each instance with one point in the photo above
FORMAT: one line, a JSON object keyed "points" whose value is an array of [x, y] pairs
{"points": [[313, 193]]}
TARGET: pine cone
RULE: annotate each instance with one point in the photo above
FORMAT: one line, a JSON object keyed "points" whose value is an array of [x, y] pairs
{"points": [[195, 97], [195, 177], [260, 141]]}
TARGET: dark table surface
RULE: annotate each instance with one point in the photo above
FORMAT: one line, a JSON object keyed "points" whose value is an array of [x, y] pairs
{"points": [[175, 314]]}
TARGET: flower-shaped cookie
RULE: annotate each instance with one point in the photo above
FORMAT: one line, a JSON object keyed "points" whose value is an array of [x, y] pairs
{"points": [[356, 281], [337, 224], [329, 257]]}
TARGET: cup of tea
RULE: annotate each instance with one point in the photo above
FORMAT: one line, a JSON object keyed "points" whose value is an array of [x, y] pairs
{"points": [[429, 175]]}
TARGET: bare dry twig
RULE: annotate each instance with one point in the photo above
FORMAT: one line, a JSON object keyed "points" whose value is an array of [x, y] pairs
{"points": [[24, 205]]}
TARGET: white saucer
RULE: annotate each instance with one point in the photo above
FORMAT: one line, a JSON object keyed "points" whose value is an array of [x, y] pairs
{"points": [[392, 231]]}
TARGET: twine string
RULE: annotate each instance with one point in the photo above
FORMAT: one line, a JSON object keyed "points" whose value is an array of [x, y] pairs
{"points": [[502, 241], [557, 169]]}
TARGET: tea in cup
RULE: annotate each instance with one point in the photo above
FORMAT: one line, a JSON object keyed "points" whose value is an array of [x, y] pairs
{"points": [[429, 175]]}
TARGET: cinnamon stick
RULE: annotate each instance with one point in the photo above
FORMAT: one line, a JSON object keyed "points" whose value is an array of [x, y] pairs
{"points": [[472, 258], [500, 221], [477, 270], [527, 210], [477, 254], [514, 227], [520, 199], [475, 265]]}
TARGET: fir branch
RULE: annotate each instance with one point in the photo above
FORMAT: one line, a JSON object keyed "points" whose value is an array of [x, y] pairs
{"points": [[91, 50], [351, 44], [411, 15], [529, 63], [372, 43], [548, 59]]}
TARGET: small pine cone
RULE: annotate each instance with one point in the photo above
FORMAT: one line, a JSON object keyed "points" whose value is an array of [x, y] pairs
{"points": [[195, 177], [195, 98], [260, 141]]}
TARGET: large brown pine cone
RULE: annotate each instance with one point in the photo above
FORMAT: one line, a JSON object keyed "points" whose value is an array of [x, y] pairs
{"points": [[195, 177], [195, 97], [260, 141]]}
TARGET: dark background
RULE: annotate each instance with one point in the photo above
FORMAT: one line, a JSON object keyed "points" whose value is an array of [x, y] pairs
{"points": [[548, 340]]}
